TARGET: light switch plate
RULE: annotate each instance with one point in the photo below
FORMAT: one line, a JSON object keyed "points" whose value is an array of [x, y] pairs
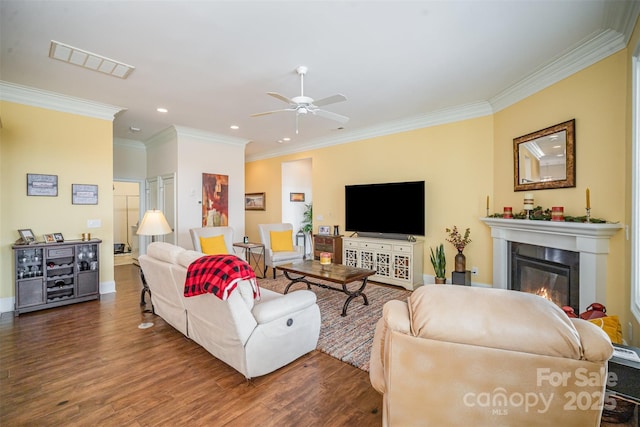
{"points": [[94, 223]]}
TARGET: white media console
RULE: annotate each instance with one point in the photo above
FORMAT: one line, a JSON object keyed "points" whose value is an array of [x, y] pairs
{"points": [[397, 262]]}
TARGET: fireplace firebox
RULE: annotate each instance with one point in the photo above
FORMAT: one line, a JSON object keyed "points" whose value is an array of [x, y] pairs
{"points": [[548, 272]]}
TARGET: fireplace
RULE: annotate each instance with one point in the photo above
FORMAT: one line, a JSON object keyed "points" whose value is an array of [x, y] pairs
{"points": [[590, 242], [548, 272]]}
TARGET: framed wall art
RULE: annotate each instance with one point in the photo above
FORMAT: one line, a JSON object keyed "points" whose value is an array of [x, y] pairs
{"points": [[296, 197], [215, 200], [255, 201], [27, 235], [84, 194], [42, 185]]}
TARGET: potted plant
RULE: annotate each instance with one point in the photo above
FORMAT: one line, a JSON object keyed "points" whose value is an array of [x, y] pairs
{"points": [[307, 219], [306, 226], [439, 263]]}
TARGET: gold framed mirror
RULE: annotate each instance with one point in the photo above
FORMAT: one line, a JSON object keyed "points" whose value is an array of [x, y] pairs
{"points": [[545, 159]]}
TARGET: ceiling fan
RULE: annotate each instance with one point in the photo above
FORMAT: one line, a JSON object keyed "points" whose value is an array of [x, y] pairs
{"points": [[303, 105]]}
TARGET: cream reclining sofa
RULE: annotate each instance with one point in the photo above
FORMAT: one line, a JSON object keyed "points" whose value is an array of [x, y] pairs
{"points": [[253, 337], [463, 356]]}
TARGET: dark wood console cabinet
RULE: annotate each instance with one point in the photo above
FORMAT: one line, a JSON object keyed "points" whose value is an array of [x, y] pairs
{"points": [[49, 275], [328, 243]]}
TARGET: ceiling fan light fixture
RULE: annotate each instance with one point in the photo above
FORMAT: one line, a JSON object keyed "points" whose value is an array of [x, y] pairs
{"points": [[90, 61]]}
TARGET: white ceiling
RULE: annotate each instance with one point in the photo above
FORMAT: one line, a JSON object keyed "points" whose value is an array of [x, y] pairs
{"points": [[401, 64]]}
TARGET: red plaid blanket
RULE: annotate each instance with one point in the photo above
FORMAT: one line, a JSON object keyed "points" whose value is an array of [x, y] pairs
{"points": [[219, 275]]}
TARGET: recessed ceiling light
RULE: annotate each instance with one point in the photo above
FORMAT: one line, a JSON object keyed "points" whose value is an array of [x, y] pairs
{"points": [[286, 139], [162, 110], [91, 61], [134, 129], [234, 127]]}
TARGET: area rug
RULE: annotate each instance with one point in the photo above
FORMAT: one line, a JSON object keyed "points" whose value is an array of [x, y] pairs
{"points": [[346, 338]]}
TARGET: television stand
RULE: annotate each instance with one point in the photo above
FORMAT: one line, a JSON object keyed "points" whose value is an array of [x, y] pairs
{"points": [[397, 262]]}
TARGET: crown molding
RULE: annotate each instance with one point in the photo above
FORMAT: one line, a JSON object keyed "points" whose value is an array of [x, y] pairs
{"points": [[54, 101], [621, 16], [129, 143], [587, 53], [210, 136], [440, 117], [167, 135]]}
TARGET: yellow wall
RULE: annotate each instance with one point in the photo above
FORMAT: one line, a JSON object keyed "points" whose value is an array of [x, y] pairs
{"points": [[464, 162], [450, 158], [79, 150], [596, 98]]}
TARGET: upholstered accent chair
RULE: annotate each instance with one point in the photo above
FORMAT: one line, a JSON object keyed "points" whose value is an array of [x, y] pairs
{"points": [[280, 252], [460, 355], [207, 232]]}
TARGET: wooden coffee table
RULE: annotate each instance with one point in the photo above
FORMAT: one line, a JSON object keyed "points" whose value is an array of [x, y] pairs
{"points": [[335, 273]]}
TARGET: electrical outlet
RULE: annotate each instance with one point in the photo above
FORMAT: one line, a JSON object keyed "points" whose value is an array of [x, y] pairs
{"points": [[474, 271]]}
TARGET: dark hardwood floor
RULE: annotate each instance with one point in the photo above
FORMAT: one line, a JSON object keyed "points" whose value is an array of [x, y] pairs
{"points": [[90, 364]]}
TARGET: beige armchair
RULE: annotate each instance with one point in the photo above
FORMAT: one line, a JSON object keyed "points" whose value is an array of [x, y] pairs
{"points": [[275, 258], [227, 232], [457, 355]]}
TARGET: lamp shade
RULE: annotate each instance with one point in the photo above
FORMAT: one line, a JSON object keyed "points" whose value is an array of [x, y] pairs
{"points": [[154, 224]]}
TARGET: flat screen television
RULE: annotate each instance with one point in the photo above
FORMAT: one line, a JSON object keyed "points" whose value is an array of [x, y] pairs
{"points": [[395, 208]]}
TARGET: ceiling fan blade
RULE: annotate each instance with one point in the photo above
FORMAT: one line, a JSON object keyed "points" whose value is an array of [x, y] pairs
{"points": [[330, 100], [331, 116], [281, 97], [271, 112]]}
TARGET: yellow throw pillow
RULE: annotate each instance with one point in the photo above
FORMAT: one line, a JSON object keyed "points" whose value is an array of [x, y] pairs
{"points": [[611, 325], [213, 245], [281, 241]]}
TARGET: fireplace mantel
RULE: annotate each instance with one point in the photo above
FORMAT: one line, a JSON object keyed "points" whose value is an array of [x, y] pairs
{"points": [[590, 240]]}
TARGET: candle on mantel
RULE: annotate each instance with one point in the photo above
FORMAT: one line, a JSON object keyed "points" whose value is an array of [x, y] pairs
{"points": [[588, 199], [487, 202], [528, 201]]}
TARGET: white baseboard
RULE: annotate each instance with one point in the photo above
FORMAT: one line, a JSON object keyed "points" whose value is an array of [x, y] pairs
{"points": [[7, 304], [108, 287], [430, 280]]}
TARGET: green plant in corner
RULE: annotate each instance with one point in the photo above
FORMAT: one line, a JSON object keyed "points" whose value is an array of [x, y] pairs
{"points": [[307, 219], [439, 263]]}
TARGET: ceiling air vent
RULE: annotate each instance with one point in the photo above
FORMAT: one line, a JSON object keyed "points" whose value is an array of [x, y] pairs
{"points": [[91, 61]]}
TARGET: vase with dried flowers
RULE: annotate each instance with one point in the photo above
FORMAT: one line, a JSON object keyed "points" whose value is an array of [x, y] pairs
{"points": [[459, 241]]}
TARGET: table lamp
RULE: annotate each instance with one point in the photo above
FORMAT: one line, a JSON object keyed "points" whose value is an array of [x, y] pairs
{"points": [[154, 224]]}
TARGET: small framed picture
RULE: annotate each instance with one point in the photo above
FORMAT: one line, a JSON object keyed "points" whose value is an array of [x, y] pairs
{"points": [[42, 185], [49, 238], [27, 236], [255, 201], [324, 229], [296, 197], [84, 194], [58, 237]]}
